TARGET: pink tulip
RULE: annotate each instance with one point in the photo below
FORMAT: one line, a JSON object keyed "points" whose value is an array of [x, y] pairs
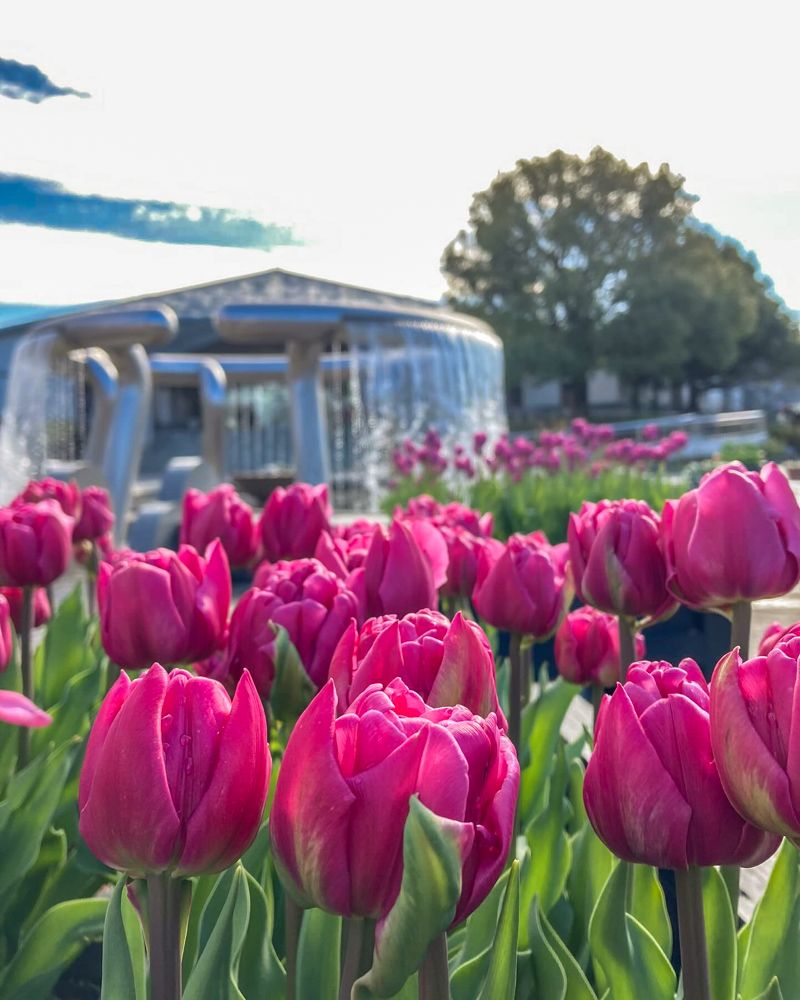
{"points": [[175, 776], [773, 634], [478, 441], [6, 640], [754, 709], [652, 790], [163, 606], [97, 517], [41, 606], [445, 663], [337, 828], [311, 603], [616, 562], [17, 710], [522, 588], [292, 521], [400, 575], [221, 514], [735, 538], [587, 647], [35, 543], [463, 551], [66, 494]]}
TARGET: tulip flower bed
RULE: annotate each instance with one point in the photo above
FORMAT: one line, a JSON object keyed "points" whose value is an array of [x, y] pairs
{"points": [[534, 485], [337, 792]]}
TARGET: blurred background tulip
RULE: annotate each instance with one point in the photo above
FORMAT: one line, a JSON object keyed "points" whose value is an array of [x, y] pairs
{"points": [[66, 494], [652, 791], [311, 603], [616, 561], [6, 638], [292, 521], [404, 567], [35, 543], [163, 606], [96, 518], [337, 829], [17, 710], [446, 663], [175, 776], [587, 647], [41, 606], [221, 514]]}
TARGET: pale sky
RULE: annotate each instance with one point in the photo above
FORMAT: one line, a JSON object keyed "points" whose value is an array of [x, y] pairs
{"points": [[367, 126]]}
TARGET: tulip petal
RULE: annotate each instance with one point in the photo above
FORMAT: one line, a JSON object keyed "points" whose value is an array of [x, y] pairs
{"points": [[238, 787], [309, 815], [382, 663], [112, 703], [466, 674], [17, 710], [128, 819], [632, 802], [756, 785]]}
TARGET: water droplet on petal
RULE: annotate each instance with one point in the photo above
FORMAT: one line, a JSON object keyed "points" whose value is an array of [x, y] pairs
{"points": [[166, 722], [189, 767]]}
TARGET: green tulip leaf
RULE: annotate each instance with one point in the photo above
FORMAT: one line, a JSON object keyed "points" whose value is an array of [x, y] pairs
{"points": [[632, 964], [260, 971], [546, 867], [544, 720], [318, 956], [124, 976], [291, 690], [501, 979], [546, 945], [64, 649], [51, 946], [772, 992], [548, 971], [71, 713], [575, 795], [215, 972], [425, 907], [202, 887], [775, 927], [592, 863], [720, 936], [466, 980], [649, 906], [26, 814], [481, 925]]}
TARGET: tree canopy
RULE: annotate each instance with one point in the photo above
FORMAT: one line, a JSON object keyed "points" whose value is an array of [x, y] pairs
{"points": [[581, 264]]}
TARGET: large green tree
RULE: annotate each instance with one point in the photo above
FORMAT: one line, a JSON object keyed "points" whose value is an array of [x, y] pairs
{"points": [[548, 245]]}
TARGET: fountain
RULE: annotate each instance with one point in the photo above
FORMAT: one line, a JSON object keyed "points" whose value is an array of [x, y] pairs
{"points": [[111, 346]]}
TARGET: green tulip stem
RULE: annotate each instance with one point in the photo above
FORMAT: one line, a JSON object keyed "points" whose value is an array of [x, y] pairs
{"points": [[26, 667], [92, 568], [293, 921], [597, 696], [358, 953], [515, 692], [692, 932], [627, 646], [740, 628], [740, 636], [164, 900], [434, 977]]}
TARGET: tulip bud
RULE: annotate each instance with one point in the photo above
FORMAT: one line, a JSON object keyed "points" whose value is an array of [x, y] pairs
{"points": [[445, 663], [41, 606], [337, 828], [35, 543], [6, 640], [175, 776], [753, 714], [313, 605], [292, 521], [221, 514], [403, 568], [522, 587], [587, 648], [463, 552], [164, 606], [773, 634], [735, 538], [616, 562], [652, 791], [97, 517], [66, 494]]}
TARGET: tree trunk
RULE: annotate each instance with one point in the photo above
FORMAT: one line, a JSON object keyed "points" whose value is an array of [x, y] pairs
{"points": [[677, 395], [694, 397], [579, 396]]}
